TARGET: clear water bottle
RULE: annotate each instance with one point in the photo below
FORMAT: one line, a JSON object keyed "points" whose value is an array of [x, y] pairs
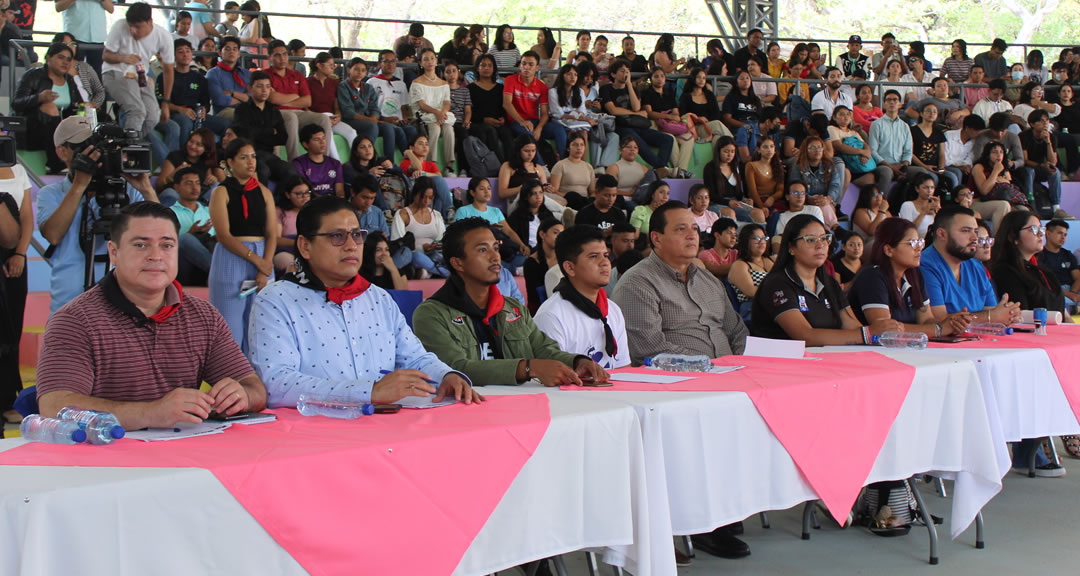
{"points": [[898, 339], [679, 363], [989, 328], [197, 123], [100, 427], [333, 407], [37, 428]]}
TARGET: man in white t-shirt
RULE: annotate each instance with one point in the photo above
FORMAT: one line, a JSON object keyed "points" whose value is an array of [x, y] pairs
{"points": [[131, 44], [579, 315], [796, 199], [827, 100], [393, 103]]}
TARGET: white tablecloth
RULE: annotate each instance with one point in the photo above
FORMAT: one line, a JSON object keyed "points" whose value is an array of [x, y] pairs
{"points": [[583, 487], [712, 460]]}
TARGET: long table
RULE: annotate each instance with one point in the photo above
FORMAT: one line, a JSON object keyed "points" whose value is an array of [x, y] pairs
{"points": [[182, 521], [712, 460]]}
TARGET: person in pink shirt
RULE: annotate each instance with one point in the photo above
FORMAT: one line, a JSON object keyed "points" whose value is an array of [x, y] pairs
{"points": [[864, 112], [723, 254]]}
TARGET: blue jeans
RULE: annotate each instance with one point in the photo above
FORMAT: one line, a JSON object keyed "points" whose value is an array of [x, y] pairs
{"points": [[1022, 451], [365, 129], [194, 253], [1053, 182], [425, 262], [514, 263], [186, 125], [168, 197], [395, 137], [553, 131], [444, 199], [164, 139], [646, 138], [954, 176]]}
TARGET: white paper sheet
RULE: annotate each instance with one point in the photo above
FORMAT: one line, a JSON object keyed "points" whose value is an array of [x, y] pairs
{"points": [[768, 348], [724, 369], [422, 402], [648, 378], [180, 431]]}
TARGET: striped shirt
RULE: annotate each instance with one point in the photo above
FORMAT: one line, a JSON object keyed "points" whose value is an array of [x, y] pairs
{"points": [[93, 347], [664, 313]]}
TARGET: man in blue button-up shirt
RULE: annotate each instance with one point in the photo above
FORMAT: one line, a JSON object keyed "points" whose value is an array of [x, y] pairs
{"points": [[326, 331]]}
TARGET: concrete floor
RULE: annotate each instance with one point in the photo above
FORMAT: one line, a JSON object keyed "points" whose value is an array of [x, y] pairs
{"points": [[1031, 528]]}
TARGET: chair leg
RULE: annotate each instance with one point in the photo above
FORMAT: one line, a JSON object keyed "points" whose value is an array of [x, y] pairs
{"points": [[808, 510], [560, 566], [979, 531], [924, 513], [1053, 452], [1031, 460], [941, 487], [814, 519], [764, 520], [590, 562], [689, 546]]}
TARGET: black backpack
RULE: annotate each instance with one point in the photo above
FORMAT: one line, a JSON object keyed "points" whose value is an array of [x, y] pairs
{"points": [[1043, 208], [483, 163]]}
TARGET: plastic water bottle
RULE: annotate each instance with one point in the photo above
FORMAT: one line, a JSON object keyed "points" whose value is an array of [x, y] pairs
{"points": [[898, 339], [197, 123], [679, 363], [100, 427], [37, 428], [333, 407], [989, 328], [1039, 317]]}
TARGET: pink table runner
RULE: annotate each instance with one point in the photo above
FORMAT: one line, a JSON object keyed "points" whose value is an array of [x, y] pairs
{"points": [[1062, 345], [832, 415], [396, 494]]}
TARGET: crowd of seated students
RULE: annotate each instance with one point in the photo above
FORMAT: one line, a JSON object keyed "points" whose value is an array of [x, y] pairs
{"points": [[610, 281]]}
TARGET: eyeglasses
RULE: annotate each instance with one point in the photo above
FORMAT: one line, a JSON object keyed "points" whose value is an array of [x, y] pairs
{"points": [[988, 242], [337, 237], [815, 148], [963, 195], [916, 243], [301, 192], [1036, 229], [759, 239], [815, 240], [388, 60], [798, 194]]}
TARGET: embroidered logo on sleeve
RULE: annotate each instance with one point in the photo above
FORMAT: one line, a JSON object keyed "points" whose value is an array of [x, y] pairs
{"points": [[779, 299], [802, 304]]}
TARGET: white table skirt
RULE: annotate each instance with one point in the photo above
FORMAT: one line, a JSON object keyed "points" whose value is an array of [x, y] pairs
{"points": [[712, 460], [583, 487]]}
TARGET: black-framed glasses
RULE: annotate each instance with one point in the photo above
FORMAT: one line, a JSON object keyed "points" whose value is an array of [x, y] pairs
{"points": [[337, 237], [301, 192], [759, 239], [815, 240]]}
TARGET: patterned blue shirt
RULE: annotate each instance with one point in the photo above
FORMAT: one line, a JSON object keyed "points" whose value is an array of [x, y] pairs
{"points": [[300, 342]]}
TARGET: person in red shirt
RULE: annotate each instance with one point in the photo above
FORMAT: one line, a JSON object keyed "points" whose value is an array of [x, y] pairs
{"points": [[292, 97], [134, 346], [525, 99]]}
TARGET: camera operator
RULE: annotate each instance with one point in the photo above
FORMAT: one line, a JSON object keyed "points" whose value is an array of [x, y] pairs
{"points": [[61, 212]]}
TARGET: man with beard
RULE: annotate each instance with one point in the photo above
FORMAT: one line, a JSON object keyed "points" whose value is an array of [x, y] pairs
{"points": [[325, 330], [470, 325], [832, 96], [954, 281]]}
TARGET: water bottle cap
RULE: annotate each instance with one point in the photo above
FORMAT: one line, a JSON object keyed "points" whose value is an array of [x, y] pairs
{"points": [[117, 432], [875, 339], [78, 436], [369, 409], [1008, 330], [647, 361]]}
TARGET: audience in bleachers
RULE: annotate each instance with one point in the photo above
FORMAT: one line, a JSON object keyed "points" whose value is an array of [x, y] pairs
{"points": [[266, 126], [542, 259], [292, 195], [425, 226], [45, 96], [197, 237], [323, 172]]}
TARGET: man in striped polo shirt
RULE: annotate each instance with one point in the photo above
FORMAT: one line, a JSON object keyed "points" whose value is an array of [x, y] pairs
{"points": [[135, 347]]}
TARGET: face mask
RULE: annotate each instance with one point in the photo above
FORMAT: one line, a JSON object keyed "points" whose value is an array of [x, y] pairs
{"points": [[1059, 77], [1017, 75]]}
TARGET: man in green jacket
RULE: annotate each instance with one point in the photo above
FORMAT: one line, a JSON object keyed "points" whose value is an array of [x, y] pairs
{"points": [[471, 327]]}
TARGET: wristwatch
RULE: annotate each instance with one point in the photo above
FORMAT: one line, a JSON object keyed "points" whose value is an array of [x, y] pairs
{"points": [[528, 369]]}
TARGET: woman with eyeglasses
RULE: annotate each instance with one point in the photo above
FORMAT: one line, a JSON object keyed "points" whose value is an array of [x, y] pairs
{"points": [[246, 227], [1018, 239], [892, 285], [753, 264], [983, 245], [45, 96], [293, 193], [798, 300]]}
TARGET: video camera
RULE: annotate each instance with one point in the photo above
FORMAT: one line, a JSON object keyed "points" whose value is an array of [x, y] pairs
{"points": [[121, 152], [10, 126]]}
